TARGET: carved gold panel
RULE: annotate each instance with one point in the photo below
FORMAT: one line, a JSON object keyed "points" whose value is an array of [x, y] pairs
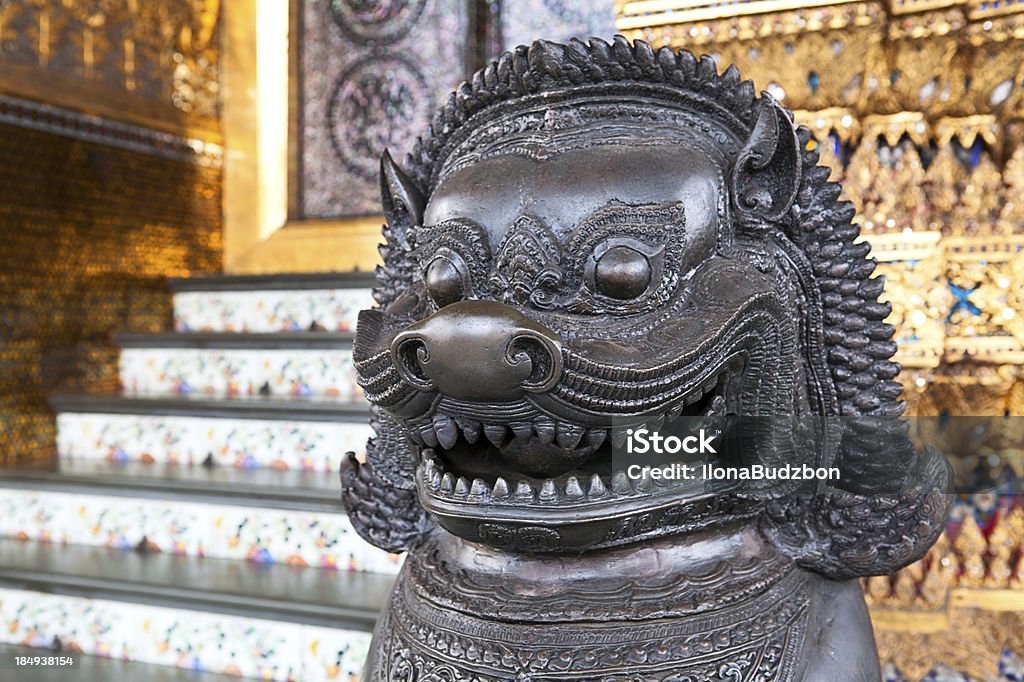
{"points": [[990, 321], [919, 109], [912, 264], [961, 605], [811, 55], [148, 62], [935, 57], [972, 647]]}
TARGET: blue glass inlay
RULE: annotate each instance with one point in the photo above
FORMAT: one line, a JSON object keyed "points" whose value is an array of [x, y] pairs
{"points": [[813, 80], [963, 301]]}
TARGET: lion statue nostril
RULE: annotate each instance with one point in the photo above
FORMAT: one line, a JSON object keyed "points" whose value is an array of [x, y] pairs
{"points": [[411, 354], [544, 358]]}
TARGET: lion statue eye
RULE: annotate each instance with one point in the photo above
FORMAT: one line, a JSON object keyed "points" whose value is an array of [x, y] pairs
{"points": [[622, 272], [446, 279]]}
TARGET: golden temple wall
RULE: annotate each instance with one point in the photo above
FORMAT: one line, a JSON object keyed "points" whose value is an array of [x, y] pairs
{"points": [[110, 181]]}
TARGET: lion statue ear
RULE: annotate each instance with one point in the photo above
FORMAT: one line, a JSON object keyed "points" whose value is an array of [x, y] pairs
{"points": [[766, 176], [403, 205], [402, 201]]}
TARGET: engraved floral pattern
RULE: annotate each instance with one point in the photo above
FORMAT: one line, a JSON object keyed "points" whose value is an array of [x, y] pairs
{"points": [[527, 267]]}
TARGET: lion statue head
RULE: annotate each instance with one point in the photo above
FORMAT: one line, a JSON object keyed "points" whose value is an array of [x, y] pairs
{"points": [[591, 239]]}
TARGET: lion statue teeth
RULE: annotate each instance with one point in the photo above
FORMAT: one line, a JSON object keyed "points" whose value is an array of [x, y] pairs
{"points": [[593, 240]]}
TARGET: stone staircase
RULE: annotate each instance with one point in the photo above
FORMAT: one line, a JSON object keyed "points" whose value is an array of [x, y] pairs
{"points": [[190, 526]]}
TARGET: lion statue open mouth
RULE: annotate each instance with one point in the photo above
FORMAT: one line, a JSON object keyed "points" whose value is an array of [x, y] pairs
{"points": [[590, 240]]}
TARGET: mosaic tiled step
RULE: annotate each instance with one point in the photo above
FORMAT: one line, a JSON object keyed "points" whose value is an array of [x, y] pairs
{"points": [[301, 364], [260, 515], [105, 669], [271, 303], [266, 622], [265, 488], [248, 431]]}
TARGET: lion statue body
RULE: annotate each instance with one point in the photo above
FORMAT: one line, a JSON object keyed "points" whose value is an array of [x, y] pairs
{"points": [[593, 239]]}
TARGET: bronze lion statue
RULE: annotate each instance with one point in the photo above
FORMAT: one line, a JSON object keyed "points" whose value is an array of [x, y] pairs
{"points": [[590, 240]]}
